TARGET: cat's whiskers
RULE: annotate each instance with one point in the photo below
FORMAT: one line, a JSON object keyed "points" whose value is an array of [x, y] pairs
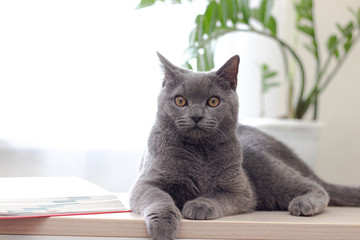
{"points": [[173, 135]]}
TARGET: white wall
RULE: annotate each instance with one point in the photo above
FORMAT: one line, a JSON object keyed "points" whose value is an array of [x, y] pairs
{"points": [[339, 159]]}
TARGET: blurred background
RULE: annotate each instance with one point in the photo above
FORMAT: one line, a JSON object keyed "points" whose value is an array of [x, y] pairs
{"points": [[79, 82]]}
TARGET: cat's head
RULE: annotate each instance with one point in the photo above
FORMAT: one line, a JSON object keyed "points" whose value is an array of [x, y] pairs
{"points": [[199, 106]]}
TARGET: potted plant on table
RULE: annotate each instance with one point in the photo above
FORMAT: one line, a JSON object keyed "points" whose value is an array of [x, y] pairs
{"points": [[223, 17]]}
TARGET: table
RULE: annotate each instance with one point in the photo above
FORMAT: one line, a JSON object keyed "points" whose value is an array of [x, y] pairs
{"points": [[340, 223], [335, 223]]}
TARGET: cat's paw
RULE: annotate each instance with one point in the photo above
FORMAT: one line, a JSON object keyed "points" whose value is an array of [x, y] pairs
{"points": [[163, 224], [306, 206], [200, 209]]}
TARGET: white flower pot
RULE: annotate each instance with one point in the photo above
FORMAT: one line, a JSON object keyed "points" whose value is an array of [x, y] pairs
{"points": [[301, 136]]}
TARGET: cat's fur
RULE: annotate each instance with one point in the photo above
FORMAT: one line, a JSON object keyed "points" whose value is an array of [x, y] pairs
{"points": [[201, 164]]}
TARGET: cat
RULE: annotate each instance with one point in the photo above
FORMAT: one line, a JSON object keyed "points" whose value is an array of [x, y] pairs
{"points": [[202, 164]]}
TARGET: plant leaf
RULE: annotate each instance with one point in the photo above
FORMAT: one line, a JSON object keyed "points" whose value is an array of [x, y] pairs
{"points": [[332, 42], [266, 76], [210, 17], [269, 75], [272, 25], [223, 11], [348, 29], [264, 67], [145, 3], [265, 8], [306, 29], [235, 10], [199, 28], [304, 10], [245, 10], [347, 46], [339, 27]]}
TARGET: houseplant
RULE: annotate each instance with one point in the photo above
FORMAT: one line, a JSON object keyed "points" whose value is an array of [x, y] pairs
{"points": [[223, 17]]}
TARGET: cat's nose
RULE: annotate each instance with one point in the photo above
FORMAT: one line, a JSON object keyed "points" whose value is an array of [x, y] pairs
{"points": [[197, 118]]}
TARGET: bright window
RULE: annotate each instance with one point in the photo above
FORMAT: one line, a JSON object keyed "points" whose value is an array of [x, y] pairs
{"points": [[84, 74]]}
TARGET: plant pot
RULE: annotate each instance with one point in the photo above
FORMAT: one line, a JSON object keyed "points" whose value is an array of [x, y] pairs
{"points": [[301, 136]]}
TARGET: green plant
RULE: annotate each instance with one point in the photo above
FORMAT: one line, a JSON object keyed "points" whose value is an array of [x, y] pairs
{"points": [[267, 82], [222, 17]]}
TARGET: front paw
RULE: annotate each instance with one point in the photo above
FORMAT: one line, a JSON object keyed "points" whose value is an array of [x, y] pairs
{"points": [[200, 209], [163, 224]]}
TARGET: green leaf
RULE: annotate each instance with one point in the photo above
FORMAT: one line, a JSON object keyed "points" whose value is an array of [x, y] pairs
{"points": [[339, 27], [265, 9], [245, 10], [235, 11], [331, 43], [266, 76], [347, 46], [210, 17], [306, 29], [229, 11], [272, 25], [255, 13], [223, 10], [145, 3], [269, 75], [199, 28], [264, 67], [349, 28], [303, 11]]}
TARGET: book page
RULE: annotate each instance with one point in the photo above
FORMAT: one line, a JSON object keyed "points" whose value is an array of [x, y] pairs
{"points": [[63, 196]]}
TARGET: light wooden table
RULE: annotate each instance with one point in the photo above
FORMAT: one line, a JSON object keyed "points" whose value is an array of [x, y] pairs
{"points": [[335, 223]]}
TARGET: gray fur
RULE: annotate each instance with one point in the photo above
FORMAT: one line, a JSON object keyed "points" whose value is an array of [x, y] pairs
{"points": [[201, 164]]}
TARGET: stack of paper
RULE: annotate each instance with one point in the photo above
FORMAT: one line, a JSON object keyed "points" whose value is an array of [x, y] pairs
{"points": [[63, 196]]}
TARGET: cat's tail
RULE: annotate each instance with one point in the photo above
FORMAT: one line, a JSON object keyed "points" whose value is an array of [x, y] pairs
{"points": [[343, 195]]}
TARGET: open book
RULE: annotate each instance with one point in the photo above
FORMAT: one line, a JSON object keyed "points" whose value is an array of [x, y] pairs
{"points": [[59, 196]]}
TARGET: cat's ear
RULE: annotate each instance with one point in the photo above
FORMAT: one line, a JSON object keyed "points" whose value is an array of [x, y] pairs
{"points": [[229, 71], [170, 70]]}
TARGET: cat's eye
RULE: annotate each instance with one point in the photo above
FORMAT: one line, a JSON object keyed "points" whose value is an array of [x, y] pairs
{"points": [[180, 101], [213, 101]]}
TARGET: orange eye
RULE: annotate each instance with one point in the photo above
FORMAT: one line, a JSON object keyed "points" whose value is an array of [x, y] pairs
{"points": [[213, 101], [180, 101]]}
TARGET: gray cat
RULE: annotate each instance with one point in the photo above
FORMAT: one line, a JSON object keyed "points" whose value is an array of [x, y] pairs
{"points": [[201, 164]]}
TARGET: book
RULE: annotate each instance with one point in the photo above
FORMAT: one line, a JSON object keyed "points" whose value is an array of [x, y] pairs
{"points": [[55, 196]]}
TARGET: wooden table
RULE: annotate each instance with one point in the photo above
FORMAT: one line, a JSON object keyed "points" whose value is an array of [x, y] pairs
{"points": [[335, 223]]}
